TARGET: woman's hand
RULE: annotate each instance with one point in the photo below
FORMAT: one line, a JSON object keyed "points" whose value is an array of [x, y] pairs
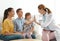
{"points": [[34, 19], [30, 33]]}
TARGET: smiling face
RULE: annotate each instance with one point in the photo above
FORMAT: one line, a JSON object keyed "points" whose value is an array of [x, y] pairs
{"points": [[20, 13], [42, 11], [29, 17]]}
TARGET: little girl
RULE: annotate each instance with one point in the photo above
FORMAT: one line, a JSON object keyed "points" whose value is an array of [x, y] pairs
{"points": [[28, 26]]}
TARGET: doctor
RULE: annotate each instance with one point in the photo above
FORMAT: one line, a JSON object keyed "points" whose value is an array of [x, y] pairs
{"points": [[47, 23]]}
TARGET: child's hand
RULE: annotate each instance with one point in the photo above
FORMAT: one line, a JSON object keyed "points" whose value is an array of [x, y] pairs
{"points": [[30, 33], [22, 32], [34, 19]]}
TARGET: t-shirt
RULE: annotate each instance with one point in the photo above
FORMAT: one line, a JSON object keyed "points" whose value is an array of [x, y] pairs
{"points": [[27, 27], [7, 26]]}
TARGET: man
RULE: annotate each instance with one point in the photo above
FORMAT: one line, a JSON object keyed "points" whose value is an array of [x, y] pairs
{"points": [[19, 22]]}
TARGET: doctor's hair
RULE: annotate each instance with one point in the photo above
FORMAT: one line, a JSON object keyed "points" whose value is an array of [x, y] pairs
{"points": [[41, 6], [27, 14], [6, 13]]}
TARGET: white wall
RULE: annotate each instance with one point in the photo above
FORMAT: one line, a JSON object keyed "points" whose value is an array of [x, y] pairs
{"points": [[57, 9], [27, 6]]}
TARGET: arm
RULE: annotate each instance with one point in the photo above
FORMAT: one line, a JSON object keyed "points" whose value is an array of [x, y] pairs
{"points": [[15, 28], [37, 23], [5, 27], [32, 27], [26, 22]]}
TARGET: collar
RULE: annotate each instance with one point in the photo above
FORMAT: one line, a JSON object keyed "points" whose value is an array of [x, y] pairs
{"points": [[20, 18]]}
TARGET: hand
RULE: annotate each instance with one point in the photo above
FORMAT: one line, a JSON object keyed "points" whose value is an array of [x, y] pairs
{"points": [[7, 33], [17, 33], [22, 32], [30, 32], [34, 19]]}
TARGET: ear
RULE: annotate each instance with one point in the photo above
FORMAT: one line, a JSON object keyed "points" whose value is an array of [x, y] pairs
{"points": [[9, 13]]}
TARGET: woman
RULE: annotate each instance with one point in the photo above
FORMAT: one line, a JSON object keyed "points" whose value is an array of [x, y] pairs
{"points": [[47, 23], [8, 26]]}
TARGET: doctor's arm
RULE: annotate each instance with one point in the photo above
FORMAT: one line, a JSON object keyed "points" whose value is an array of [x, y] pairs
{"points": [[37, 23]]}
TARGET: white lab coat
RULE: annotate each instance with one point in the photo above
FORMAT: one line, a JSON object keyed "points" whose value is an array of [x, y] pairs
{"points": [[50, 25]]}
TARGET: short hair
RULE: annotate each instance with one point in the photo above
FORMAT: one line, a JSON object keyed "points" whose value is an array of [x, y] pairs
{"points": [[18, 10], [27, 14]]}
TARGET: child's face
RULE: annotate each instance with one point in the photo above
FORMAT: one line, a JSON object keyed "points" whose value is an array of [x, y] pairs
{"points": [[29, 17]]}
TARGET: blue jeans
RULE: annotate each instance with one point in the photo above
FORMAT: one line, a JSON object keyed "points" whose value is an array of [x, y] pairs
{"points": [[33, 36], [10, 37]]}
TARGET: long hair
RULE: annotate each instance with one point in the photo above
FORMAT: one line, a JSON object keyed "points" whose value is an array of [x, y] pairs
{"points": [[41, 6], [6, 13]]}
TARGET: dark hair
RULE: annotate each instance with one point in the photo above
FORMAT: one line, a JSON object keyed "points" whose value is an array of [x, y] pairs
{"points": [[18, 10], [41, 6], [27, 14], [6, 13]]}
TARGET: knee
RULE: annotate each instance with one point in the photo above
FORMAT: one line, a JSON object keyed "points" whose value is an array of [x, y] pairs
{"points": [[19, 37], [33, 36], [51, 35]]}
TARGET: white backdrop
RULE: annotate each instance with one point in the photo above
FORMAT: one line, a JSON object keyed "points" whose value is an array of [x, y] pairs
{"points": [[28, 6]]}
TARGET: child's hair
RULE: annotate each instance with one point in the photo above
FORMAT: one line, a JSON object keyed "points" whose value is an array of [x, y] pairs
{"points": [[41, 6], [27, 14]]}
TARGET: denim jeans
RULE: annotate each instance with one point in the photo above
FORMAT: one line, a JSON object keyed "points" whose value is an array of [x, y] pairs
{"points": [[10, 37], [33, 36]]}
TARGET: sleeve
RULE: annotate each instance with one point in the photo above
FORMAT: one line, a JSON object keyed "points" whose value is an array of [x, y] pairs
{"points": [[5, 27], [48, 21], [15, 26]]}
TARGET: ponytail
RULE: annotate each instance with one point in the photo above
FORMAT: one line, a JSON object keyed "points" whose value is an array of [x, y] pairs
{"points": [[48, 10], [5, 14]]}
